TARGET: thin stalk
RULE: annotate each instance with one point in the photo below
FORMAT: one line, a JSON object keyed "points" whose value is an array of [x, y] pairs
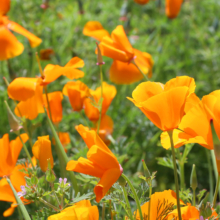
{"points": [[211, 182], [110, 209], [20, 214], [150, 192], [55, 195], [61, 202], [49, 205], [127, 203], [144, 75], [194, 197], [109, 136], [27, 152], [101, 98], [215, 167], [181, 170], [175, 174], [103, 211], [216, 192], [135, 195]]}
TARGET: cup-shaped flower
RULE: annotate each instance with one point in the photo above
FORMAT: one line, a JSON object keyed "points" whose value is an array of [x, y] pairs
{"points": [[82, 210], [91, 104], [55, 103], [9, 152], [10, 46], [77, 93], [42, 151], [95, 29], [163, 104], [173, 8], [101, 162], [161, 204]]}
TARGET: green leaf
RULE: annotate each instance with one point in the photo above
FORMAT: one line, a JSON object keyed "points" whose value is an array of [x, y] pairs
{"points": [[79, 198]]}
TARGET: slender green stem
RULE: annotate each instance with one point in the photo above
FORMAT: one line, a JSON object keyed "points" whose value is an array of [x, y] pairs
{"points": [[135, 195], [194, 197], [127, 203], [55, 195], [48, 103], [175, 173], [216, 192], [181, 170], [27, 152], [144, 75], [103, 211], [100, 108], [215, 167], [150, 192], [20, 214], [49, 205], [110, 209], [211, 182], [109, 136]]}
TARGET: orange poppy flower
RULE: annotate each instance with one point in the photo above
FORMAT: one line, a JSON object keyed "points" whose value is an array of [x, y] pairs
{"points": [[80, 211], [163, 104], [42, 151], [64, 139], [6, 194], [127, 73], [105, 129], [77, 93], [173, 8], [92, 112], [141, 2], [161, 202], [10, 46], [55, 102], [9, 152], [94, 29], [101, 162], [45, 54]]}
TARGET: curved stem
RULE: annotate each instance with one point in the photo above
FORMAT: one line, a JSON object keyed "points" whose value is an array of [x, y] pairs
{"points": [[127, 203], [175, 173], [135, 195], [49, 205], [216, 192], [144, 75]]}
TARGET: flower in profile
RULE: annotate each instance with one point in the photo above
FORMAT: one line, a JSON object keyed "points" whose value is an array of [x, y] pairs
{"points": [[161, 204], [101, 162], [45, 54], [164, 104], [95, 29], [10, 46], [173, 8], [9, 152], [55, 103], [105, 129], [42, 151], [91, 109], [141, 2], [77, 93], [80, 211]]}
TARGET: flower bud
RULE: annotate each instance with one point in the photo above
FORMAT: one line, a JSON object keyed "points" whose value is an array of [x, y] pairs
{"points": [[99, 56], [146, 171], [193, 178], [13, 121], [50, 177]]}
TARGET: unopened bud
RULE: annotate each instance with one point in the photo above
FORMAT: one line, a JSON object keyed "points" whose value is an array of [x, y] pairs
{"points": [[146, 171], [50, 177], [193, 178], [13, 121], [99, 56]]}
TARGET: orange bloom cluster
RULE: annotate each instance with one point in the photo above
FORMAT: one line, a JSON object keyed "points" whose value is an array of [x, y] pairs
{"points": [[101, 162], [118, 47], [10, 46]]}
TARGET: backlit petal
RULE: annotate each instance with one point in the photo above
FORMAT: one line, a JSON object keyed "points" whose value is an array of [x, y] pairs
{"points": [[173, 8]]}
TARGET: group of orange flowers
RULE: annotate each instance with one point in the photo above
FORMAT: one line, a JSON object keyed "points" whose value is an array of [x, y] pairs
{"points": [[173, 106]]}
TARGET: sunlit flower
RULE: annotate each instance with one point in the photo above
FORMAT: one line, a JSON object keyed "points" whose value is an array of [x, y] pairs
{"points": [[164, 104], [9, 152], [91, 104], [64, 139], [101, 162], [77, 93], [79, 211], [94, 29], [173, 8], [42, 151], [10, 46], [45, 54]]}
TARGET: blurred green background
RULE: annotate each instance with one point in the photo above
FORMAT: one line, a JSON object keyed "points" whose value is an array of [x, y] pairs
{"points": [[186, 45]]}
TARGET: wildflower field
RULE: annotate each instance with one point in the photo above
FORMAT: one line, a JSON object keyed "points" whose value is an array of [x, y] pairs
{"points": [[109, 109]]}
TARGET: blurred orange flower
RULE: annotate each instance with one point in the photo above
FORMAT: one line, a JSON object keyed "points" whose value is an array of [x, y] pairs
{"points": [[9, 152], [45, 54], [55, 102], [109, 92], [105, 129], [80, 211], [64, 139], [10, 46], [173, 8], [77, 93], [42, 151], [162, 203], [141, 2], [6, 194], [94, 29], [164, 104], [101, 162]]}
